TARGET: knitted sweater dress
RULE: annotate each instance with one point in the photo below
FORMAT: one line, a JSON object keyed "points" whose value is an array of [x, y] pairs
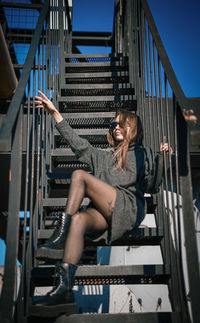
{"points": [[145, 176]]}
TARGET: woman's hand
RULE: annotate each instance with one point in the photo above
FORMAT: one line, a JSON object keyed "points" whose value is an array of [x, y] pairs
{"points": [[165, 147], [47, 105]]}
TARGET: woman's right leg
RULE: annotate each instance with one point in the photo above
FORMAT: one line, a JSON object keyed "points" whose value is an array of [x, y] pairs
{"points": [[88, 221]]}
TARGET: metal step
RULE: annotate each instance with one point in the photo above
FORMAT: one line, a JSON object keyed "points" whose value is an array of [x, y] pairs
{"points": [[89, 115], [51, 311], [106, 275], [89, 78], [88, 132], [115, 56], [62, 152], [61, 165], [60, 203], [96, 63], [98, 141], [96, 91], [98, 98], [71, 317], [98, 86], [94, 67], [137, 237], [65, 105], [86, 122], [161, 317], [96, 75]]}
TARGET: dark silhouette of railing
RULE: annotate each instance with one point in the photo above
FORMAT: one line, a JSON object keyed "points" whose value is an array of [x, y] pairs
{"points": [[162, 106]]}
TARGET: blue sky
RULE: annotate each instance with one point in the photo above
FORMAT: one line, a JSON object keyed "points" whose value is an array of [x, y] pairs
{"points": [[178, 23]]}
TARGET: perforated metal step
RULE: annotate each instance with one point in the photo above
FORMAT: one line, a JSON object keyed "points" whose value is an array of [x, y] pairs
{"points": [[137, 237], [96, 91], [162, 317], [96, 105], [95, 67], [80, 122], [93, 78], [77, 58], [58, 204], [106, 275]]}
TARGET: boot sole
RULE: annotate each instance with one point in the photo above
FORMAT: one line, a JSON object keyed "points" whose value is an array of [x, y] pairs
{"points": [[46, 253]]}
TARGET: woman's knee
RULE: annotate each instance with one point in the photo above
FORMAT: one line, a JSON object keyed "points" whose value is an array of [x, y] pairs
{"points": [[79, 221], [78, 175]]}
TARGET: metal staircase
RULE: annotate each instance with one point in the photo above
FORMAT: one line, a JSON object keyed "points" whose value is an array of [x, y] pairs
{"points": [[89, 89], [93, 124]]}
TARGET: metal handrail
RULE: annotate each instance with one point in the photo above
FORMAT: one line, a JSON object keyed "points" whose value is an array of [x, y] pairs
{"points": [[6, 129], [171, 76]]}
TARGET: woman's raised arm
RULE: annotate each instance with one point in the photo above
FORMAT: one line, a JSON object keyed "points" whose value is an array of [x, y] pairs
{"points": [[43, 102]]}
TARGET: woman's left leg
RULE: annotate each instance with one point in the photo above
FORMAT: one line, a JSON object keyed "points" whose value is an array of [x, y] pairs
{"points": [[102, 195], [83, 184]]}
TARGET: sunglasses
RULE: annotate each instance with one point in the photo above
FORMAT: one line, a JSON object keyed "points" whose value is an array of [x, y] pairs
{"points": [[114, 124]]}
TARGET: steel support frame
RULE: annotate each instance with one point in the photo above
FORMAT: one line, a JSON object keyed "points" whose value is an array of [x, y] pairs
{"points": [[12, 237]]}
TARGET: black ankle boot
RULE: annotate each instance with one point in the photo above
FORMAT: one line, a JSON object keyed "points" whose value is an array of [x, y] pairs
{"points": [[58, 238], [62, 293]]}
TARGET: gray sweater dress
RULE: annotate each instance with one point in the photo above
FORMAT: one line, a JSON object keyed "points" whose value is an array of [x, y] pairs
{"points": [[144, 177]]}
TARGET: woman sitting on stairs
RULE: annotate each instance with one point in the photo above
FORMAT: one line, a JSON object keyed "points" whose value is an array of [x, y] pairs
{"points": [[116, 189]]}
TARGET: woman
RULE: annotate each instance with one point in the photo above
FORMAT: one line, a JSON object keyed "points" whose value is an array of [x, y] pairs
{"points": [[116, 190]]}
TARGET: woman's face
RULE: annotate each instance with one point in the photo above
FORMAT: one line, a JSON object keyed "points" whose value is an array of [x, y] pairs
{"points": [[118, 132]]}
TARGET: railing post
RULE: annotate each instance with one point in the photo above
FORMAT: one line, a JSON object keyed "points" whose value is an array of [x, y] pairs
{"points": [[61, 38], [12, 237], [188, 215]]}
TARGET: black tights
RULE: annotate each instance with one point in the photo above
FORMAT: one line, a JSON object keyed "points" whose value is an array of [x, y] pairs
{"points": [[103, 197]]}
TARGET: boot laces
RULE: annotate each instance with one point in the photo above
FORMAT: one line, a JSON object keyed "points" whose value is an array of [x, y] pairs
{"points": [[59, 228], [58, 281]]}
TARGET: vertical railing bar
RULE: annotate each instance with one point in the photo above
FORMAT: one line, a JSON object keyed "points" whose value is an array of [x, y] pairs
{"points": [[38, 132], [30, 243], [45, 113], [39, 111], [152, 94], [148, 88], [161, 218], [137, 54], [42, 136], [32, 196], [143, 65], [35, 164], [177, 177], [48, 132], [54, 89], [50, 82], [156, 93], [26, 202]]}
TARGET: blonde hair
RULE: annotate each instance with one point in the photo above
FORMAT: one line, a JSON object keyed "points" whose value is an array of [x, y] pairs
{"points": [[134, 135]]}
